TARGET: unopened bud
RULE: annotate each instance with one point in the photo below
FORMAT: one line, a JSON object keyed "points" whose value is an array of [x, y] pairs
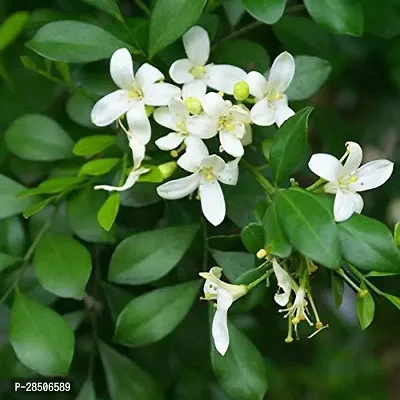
{"points": [[261, 254], [193, 105], [241, 91], [174, 153], [149, 110], [363, 293], [167, 169]]}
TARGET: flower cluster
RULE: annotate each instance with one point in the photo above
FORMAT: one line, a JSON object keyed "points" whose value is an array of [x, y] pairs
{"points": [[192, 115]]}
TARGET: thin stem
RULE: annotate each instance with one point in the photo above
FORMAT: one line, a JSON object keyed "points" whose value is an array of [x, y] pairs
{"points": [[314, 308], [316, 184], [252, 285], [348, 280], [264, 182], [359, 275]]}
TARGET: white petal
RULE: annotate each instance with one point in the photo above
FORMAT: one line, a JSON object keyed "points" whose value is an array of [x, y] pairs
{"points": [[281, 74], [240, 114], [325, 166], [257, 84], [230, 174], [247, 139], [216, 163], [212, 201], [202, 126], [358, 203], [372, 175], [214, 105], [284, 282], [231, 144], [224, 77], [220, 322], [121, 69], [344, 206], [282, 113], [262, 113], [196, 89], [138, 122], [353, 160], [177, 107], [195, 153], [109, 108], [180, 71], [179, 188], [147, 75], [132, 178], [138, 151], [170, 141], [197, 45], [164, 117], [160, 94]]}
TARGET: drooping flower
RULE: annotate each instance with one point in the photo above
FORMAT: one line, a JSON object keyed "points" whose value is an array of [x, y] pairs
{"points": [[298, 311], [284, 283], [225, 294], [271, 102], [346, 180], [207, 171], [131, 180], [220, 116], [135, 91], [197, 46]]}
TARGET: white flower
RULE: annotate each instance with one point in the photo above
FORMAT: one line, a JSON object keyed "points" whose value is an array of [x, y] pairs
{"points": [[284, 283], [136, 91], [230, 121], [197, 47], [348, 179], [298, 311], [272, 104], [207, 172], [175, 117], [131, 180], [225, 294]]}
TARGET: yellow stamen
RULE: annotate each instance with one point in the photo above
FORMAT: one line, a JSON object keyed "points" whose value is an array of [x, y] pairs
{"points": [[198, 71], [353, 179]]}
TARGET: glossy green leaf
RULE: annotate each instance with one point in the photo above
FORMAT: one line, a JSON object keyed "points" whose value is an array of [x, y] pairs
{"points": [[310, 75], [253, 237], [170, 19], [241, 372], [125, 380], [152, 316], [365, 310], [275, 239], [369, 244], [108, 211], [337, 285], [377, 274], [74, 319], [109, 6], [393, 299], [10, 204], [62, 265], [38, 138], [79, 108], [53, 186], [234, 10], [289, 145], [339, 16], [87, 391], [234, 263], [396, 234], [154, 175], [91, 145], [40, 337], [13, 236], [12, 27], [99, 167], [37, 207], [148, 256], [74, 42], [267, 11], [309, 226]]}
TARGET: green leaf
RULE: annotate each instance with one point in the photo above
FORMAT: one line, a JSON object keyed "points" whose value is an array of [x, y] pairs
{"points": [[396, 234], [152, 316], [91, 145], [241, 372], [369, 244], [154, 175], [266, 147], [10, 204], [82, 210], [7, 261], [253, 237], [337, 289], [74, 42], [79, 108], [267, 11], [125, 380], [53, 186], [275, 239], [74, 319], [393, 299], [116, 299], [365, 310], [310, 75], [148, 256], [381, 18], [98, 167], [37, 207], [289, 145], [109, 6], [62, 265], [12, 27], [377, 274], [243, 54], [234, 263], [309, 226], [170, 19], [40, 337], [38, 138], [339, 16], [234, 11], [108, 211], [87, 391]]}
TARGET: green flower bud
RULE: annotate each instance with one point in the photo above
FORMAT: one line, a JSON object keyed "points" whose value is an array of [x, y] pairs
{"points": [[167, 169], [193, 105], [241, 91], [149, 110]]}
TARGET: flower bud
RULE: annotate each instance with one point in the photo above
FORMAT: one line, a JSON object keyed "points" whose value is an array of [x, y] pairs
{"points": [[167, 169], [363, 293], [241, 91], [149, 110], [193, 105], [261, 253]]}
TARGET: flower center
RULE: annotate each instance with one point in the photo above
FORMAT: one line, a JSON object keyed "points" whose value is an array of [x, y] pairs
{"points": [[207, 173], [198, 71], [135, 94], [181, 127], [226, 122], [273, 96], [345, 181]]}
